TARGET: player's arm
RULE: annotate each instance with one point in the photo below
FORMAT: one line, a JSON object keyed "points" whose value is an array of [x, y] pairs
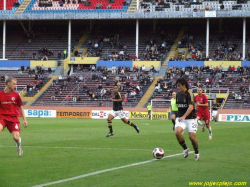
{"points": [[189, 110], [199, 104], [205, 102], [25, 123]]}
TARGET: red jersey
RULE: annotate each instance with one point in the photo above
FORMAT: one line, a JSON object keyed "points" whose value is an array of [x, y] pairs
{"points": [[202, 100], [10, 103]]}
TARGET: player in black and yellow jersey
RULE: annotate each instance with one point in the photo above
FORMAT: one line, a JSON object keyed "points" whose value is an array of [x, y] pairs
{"points": [[118, 111], [186, 117], [215, 107]]}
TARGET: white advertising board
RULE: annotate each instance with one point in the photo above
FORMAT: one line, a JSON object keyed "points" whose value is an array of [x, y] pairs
{"points": [[103, 114], [234, 117], [40, 113]]}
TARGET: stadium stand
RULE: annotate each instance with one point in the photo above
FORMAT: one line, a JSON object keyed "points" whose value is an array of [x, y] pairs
{"points": [[78, 6], [11, 6], [79, 90], [119, 43], [26, 82], [192, 6], [42, 43]]}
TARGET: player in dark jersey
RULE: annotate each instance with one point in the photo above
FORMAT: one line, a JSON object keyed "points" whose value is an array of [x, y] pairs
{"points": [[215, 108], [186, 118], [10, 108], [118, 111]]}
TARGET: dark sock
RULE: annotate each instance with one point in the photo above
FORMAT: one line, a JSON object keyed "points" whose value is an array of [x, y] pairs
{"points": [[110, 126], [196, 150], [131, 123], [183, 144]]}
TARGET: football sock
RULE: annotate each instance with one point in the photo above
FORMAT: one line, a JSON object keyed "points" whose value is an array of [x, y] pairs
{"points": [[215, 119], [110, 126], [199, 121], [183, 144], [210, 130], [131, 123], [196, 150], [173, 121], [18, 143]]}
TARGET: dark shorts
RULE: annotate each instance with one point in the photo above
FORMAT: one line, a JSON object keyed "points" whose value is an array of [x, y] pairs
{"points": [[149, 112], [174, 112]]}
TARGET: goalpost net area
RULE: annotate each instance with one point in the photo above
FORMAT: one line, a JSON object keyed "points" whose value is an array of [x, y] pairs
{"points": [[160, 107]]}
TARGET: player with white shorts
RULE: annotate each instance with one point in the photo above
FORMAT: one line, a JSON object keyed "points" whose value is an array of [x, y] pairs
{"points": [[186, 117], [190, 124], [118, 111], [215, 108]]}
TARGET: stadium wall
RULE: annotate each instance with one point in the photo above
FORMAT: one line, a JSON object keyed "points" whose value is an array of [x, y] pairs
{"points": [[224, 64], [13, 64]]}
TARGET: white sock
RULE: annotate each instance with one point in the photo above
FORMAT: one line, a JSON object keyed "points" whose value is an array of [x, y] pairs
{"points": [[18, 143], [199, 122], [210, 130]]}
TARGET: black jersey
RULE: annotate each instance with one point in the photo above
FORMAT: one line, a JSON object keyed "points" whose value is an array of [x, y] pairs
{"points": [[183, 100], [214, 106], [117, 105]]}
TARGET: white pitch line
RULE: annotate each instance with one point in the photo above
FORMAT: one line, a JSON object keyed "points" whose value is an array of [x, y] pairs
{"points": [[93, 148], [104, 171]]}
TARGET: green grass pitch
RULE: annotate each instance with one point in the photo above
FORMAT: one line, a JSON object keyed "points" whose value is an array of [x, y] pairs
{"points": [[61, 149]]}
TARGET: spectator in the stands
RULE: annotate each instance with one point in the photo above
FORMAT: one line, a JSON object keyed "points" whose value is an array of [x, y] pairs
{"points": [[20, 73], [53, 95], [23, 52]]}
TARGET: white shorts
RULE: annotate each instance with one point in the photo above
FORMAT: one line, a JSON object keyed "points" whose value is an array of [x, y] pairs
{"points": [[190, 124], [215, 113], [119, 113]]}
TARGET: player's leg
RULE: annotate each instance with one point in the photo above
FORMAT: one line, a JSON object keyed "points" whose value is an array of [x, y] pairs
{"points": [[209, 128], [192, 137], [215, 115], [123, 118], [1, 128], [179, 130], [173, 117], [110, 118], [149, 114], [14, 129], [192, 129], [198, 118]]}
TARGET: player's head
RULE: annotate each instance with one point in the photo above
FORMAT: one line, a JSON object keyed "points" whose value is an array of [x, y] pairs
{"points": [[214, 101], [174, 94], [116, 89], [200, 91], [11, 83], [149, 103], [182, 84]]}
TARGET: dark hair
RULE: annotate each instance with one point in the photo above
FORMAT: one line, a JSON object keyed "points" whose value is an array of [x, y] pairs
{"points": [[183, 81]]}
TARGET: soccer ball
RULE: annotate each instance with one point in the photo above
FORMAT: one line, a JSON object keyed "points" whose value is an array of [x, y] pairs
{"points": [[158, 153]]}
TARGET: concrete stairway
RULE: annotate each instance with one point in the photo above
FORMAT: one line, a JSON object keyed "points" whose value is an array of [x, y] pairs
{"points": [[133, 6], [23, 6], [174, 47], [30, 100], [148, 93]]}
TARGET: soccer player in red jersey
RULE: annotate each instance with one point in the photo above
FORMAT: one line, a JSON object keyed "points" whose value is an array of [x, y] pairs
{"points": [[10, 108], [203, 111]]}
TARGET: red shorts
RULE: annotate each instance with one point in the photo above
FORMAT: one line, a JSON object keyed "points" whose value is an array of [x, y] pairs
{"points": [[10, 124], [205, 116]]}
